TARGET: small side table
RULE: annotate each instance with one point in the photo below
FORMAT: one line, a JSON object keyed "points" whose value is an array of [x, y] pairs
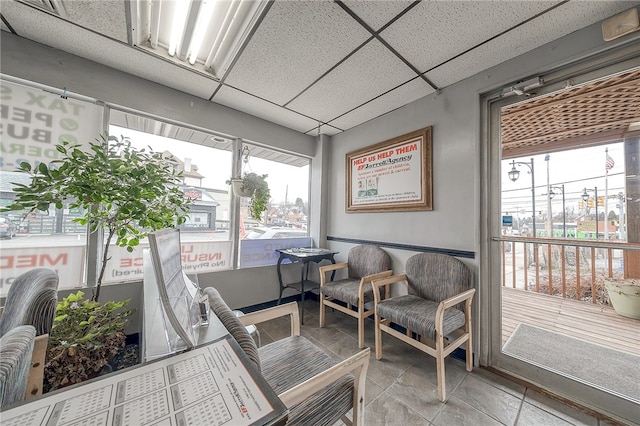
{"points": [[303, 256]]}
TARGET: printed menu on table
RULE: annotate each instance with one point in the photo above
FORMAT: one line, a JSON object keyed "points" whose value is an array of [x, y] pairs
{"points": [[208, 385]]}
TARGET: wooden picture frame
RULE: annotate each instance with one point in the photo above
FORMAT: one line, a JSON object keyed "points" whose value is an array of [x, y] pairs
{"points": [[394, 175]]}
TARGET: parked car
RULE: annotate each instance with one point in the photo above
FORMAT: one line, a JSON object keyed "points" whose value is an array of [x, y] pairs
{"points": [[8, 228], [275, 232]]}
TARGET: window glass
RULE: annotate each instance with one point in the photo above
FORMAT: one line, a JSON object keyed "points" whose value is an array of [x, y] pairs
{"points": [[566, 185], [32, 122], [206, 244], [284, 224]]}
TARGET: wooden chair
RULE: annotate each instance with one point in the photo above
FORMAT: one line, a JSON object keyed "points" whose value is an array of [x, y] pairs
{"points": [[32, 300], [364, 264], [316, 389], [437, 308], [16, 347]]}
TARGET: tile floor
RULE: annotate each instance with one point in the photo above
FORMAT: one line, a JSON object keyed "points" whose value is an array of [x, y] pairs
{"points": [[401, 388]]}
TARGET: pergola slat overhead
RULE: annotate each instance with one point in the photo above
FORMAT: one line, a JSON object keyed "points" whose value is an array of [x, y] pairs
{"points": [[589, 114]]}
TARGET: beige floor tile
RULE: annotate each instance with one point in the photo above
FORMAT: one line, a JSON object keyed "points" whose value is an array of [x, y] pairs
{"points": [[489, 399], [386, 410]]}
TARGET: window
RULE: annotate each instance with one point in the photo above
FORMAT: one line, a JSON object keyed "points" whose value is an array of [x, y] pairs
{"points": [[51, 239], [566, 185]]}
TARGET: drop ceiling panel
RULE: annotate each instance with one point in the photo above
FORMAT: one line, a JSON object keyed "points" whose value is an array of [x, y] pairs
{"points": [[466, 24], [370, 72], [403, 95], [260, 108], [60, 34], [295, 44], [532, 34], [107, 17], [377, 13]]}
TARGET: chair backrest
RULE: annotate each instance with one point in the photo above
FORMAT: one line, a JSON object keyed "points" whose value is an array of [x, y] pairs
{"points": [[31, 300], [16, 347], [436, 276], [367, 259], [233, 325]]}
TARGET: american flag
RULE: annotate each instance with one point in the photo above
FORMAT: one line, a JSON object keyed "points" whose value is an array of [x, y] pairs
{"points": [[609, 163]]}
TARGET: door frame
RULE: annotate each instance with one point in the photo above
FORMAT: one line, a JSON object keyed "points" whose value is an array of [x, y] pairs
{"points": [[491, 355]]}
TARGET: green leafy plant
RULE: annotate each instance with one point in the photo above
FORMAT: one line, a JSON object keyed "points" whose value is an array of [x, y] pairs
{"points": [[256, 187], [85, 335], [122, 190], [261, 193]]}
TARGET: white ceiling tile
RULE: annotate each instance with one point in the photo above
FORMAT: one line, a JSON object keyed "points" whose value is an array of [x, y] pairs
{"points": [[30, 23], [370, 72], [525, 38], [308, 37], [403, 95], [260, 108], [442, 29], [376, 13], [107, 17]]}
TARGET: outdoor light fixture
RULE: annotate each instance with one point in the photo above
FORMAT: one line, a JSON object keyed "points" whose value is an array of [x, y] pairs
{"points": [[514, 174], [585, 197], [564, 211], [206, 34]]}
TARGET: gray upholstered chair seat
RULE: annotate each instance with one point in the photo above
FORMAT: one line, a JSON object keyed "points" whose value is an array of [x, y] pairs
{"points": [[292, 360], [16, 346], [437, 304], [347, 291], [31, 300], [418, 314], [365, 263]]}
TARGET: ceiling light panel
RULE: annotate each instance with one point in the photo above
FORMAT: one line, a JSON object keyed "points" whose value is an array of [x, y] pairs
{"points": [[73, 39], [308, 37], [370, 72], [204, 34], [467, 25]]}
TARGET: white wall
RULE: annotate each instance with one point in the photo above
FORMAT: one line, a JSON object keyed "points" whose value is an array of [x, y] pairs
{"points": [[455, 114]]}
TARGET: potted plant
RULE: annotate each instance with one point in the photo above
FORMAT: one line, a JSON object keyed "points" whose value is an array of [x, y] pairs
{"points": [[85, 336], [123, 191], [624, 294], [254, 186]]}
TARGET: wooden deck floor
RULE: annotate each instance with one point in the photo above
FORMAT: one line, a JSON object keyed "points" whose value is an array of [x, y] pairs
{"points": [[592, 323]]}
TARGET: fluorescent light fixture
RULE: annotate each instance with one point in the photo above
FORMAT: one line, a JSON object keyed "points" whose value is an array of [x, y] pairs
{"points": [[621, 24], [178, 26], [207, 35]]}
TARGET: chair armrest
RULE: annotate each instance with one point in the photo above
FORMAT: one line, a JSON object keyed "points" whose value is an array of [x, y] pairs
{"points": [[263, 315], [385, 282], [357, 363], [370, 278], [35, 379], [328, 268], [465, 296]]}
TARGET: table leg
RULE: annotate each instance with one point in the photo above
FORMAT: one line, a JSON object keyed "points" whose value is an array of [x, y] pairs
{"points": [[302, 291], [280, 259]]}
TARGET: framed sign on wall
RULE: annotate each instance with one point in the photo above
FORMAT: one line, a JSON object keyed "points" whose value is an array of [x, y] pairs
{"points": [[394, 175]]}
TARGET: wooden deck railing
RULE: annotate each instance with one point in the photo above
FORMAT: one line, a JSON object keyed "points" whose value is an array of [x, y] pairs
{"points": [[569, 268]]}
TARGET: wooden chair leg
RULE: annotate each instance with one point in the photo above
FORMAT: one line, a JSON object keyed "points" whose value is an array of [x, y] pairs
{"points": [[378, 338], [361, 324], [442, 386], [321, 310], [469, 350]]}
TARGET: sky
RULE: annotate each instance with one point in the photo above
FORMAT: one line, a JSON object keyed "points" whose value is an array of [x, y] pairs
{"points": [[215, 165], [576, 169]]}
